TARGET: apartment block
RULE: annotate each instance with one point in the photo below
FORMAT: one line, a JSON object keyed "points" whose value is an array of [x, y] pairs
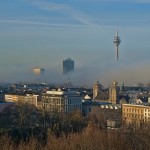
{"points": [[27, 98], [135, 114], [61, 101]]}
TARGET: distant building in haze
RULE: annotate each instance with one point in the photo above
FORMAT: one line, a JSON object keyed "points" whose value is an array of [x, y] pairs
{"points": [[68, 65], [38, 71], [38, 74]]}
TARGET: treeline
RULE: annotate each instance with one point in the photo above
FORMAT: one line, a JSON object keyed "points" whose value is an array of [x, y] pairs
{"points": [[24, 127], [91, 138], [22, 117]]}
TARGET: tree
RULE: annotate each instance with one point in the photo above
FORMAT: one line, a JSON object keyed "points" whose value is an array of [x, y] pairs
{"points": [[74, 122]]}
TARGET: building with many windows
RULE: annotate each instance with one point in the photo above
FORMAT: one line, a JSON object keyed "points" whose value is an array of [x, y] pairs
{"points": [[23, 98], [135, 114], [63, 101]]}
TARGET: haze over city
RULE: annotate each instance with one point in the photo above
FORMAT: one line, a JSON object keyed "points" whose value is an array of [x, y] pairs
{"points": [[44, 32]]}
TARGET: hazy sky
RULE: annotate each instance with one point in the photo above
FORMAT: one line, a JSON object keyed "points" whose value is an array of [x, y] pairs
{"points": [[41, 33]]}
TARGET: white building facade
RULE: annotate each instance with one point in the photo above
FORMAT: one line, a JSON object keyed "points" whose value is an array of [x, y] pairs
{"points": [[61, 101], [28, 98], [137, 114]]}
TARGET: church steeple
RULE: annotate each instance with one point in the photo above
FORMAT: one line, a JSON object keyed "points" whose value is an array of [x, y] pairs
{"points": [[96, 89]]}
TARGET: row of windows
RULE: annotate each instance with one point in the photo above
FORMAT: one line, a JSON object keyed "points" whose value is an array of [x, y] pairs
{"points": [[52, 100], [136, 110], [136, 124], [63, 108], [147, 110], [147, 114], [61, 100], [130, 110], [134, 116]]}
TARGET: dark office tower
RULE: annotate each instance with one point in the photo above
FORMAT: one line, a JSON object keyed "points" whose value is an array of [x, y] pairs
{"points": [[68, 65]]}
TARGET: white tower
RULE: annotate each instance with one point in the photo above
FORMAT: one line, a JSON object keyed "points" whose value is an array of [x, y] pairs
{"points": [[117, 41]]}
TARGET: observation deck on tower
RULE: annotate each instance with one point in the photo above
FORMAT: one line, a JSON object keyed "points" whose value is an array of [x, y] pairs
{"points": [[117, 41]]}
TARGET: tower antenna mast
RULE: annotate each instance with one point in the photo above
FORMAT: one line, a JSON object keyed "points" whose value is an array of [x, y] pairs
{"points": [[117, 41]]}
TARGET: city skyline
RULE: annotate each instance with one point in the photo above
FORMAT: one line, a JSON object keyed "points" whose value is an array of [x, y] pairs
{"points": [[43, 33]]}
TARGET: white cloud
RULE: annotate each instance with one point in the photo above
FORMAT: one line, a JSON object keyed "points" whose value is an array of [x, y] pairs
{"points": [[64, 9], [81, 17], [32, 22], [46, 22]]}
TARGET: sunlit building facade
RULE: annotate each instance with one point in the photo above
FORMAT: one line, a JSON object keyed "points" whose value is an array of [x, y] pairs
{"points": [[27, 98], [135, 114]]}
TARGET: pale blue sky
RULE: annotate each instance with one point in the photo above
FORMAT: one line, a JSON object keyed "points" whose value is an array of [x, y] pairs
{"points": [[44, 32]]}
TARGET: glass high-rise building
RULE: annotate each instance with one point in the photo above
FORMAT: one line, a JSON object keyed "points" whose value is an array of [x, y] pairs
{"points": [[68, 65]]}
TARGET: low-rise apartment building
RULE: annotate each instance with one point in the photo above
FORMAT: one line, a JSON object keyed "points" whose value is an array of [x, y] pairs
{"points": [[27, 98], [135, 114], [61, 101]]}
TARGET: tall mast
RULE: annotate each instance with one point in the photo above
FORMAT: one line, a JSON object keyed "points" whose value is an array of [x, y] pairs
{"points": [[117, 41]]}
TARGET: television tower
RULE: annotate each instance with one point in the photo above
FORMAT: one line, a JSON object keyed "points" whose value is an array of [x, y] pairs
{"points": [[117, 41]]}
